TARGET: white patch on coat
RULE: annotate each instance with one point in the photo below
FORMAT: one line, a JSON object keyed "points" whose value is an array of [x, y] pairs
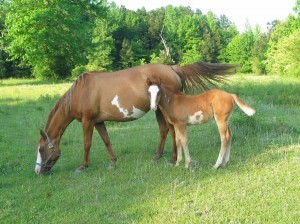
{"points": [[197, 118], [153, 90], [38, 162], [136, 113]]}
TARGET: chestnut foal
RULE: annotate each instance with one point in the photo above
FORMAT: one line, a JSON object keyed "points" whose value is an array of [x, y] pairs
{"points": [[181, 110]]}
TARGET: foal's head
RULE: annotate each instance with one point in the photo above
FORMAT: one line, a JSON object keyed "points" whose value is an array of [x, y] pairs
{"points": [[47, 154], [154, 92]]}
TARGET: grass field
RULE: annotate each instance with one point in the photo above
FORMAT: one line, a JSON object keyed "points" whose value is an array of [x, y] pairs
{"points": [[261, 183]]}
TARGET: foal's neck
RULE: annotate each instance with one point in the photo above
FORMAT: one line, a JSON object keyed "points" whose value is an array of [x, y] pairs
{"points": [[166, 98]]}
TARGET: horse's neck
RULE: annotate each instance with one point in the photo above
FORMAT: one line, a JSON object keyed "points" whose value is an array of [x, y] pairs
{"points": [[58, 121]]}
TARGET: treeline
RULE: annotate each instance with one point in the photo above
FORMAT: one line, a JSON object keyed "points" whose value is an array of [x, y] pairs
{"points": [[60, 38]]}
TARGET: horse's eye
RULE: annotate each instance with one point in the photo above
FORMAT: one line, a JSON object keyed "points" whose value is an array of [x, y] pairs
{"points": [[41, 149]]}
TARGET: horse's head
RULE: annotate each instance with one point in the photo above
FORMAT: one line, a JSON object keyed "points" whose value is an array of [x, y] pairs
{"points": [[47, 154], [154, 92]]}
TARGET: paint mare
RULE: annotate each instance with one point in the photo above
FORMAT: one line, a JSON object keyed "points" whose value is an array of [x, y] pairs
{"points": [[116, 96], [181, 110]]}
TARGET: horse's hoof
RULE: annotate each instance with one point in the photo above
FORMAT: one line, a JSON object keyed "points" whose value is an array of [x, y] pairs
{"points": [[156, 158], [80, 169], [111, 166], [170, 163]]}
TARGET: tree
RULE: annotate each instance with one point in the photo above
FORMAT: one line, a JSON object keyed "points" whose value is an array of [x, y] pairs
{"points": [[239, 50], [100, 55], [50, 36], [259, 54], [282, 38], [126, 54], [284, 60]]}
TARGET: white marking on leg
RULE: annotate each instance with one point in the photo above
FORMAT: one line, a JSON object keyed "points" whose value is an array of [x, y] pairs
{"points": [[136, 113], [197, 118], [38, 162]]}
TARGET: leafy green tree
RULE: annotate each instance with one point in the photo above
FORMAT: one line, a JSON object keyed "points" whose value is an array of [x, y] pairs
{"points": [[285, 59], [239, 50], [50, 36], [100, 54], [126, 54], [283, 37], [259, 54]]}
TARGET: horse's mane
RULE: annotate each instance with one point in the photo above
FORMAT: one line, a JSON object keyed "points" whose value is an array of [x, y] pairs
{"points": [[201, 75], [65, 101]]}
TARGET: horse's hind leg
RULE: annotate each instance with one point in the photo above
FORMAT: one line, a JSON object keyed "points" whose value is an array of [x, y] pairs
{"points": [[101, 128], [164, 129], [225, 136]]}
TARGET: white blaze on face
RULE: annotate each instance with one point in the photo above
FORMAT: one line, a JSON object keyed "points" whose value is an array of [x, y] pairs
{"points": [[153, 91], [38, 161], [197, 118], [136, 113]]}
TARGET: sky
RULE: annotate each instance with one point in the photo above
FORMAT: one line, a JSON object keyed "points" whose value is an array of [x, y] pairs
{"points": [[240, 12]]}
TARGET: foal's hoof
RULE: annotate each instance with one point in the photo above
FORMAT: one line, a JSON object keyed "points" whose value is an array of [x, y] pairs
{"points": [[215, 167]]}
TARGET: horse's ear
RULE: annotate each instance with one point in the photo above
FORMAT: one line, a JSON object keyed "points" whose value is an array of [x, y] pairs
{"points": [[149, 82], [43, 134]]}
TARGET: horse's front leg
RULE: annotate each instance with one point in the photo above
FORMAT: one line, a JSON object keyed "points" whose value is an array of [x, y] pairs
{"points": [[101, 128], [88, 127], [164, 129]]}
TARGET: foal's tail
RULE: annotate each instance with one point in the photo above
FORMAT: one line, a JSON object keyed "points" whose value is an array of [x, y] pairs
{"points": [[244, 107], [201, 75]]}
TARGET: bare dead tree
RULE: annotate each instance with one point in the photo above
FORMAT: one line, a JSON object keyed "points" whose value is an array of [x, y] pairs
{"points": [[167, 49]]}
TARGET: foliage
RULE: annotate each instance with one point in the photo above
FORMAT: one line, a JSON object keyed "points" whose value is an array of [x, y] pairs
{"points": [[259, 185], [285, 58], [47, 35], [56, 38], [283, 52]]}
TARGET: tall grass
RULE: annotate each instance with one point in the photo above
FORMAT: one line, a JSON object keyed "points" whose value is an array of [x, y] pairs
{"points": [[259, 185]]}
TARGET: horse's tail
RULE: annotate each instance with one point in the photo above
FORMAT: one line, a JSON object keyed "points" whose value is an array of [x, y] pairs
{"points": [[244, 107], [201, 74]]}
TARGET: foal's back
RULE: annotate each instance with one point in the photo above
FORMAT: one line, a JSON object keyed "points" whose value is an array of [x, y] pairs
{"points": [[214, 102]]}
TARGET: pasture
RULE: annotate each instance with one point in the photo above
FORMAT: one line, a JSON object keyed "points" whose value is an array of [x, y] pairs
{"points": [[260, 184]]}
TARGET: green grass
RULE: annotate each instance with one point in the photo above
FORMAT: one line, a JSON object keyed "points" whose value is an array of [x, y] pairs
{"points": [[261, 183]]}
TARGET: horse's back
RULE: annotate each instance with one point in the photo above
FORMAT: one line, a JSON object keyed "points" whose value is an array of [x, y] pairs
{"points": [[118, 95]]}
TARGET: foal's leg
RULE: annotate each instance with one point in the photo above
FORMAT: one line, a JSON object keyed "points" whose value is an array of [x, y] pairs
{"points": [[227, 154], [225, 136], [164, 129], [181, 140], [101, 128], [88, 128]]}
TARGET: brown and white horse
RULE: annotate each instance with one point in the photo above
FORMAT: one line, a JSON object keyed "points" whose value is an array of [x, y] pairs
{"points": [[181, 110], [116, 96]]}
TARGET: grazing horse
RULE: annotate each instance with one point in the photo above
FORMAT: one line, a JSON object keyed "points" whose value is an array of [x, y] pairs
{"points": [[116, 96], [181, 110]]}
